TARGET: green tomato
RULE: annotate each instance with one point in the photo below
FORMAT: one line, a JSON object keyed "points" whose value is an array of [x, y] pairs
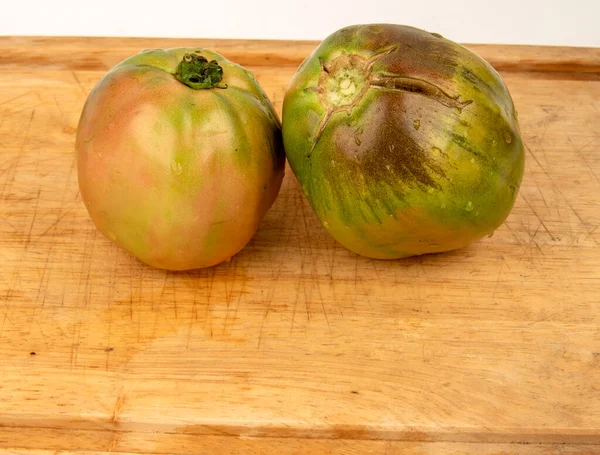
{"points": [[179, 157], [404, 142]]}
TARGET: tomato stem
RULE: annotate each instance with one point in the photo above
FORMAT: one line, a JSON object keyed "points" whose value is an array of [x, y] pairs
{"points": [[198, 73]]}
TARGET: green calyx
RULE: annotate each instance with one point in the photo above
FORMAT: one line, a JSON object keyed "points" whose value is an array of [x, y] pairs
{"points": [[198, 73]]}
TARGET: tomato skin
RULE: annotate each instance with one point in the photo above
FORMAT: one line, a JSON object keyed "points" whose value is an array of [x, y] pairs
{"points": [[180, 178], [404, 142]]}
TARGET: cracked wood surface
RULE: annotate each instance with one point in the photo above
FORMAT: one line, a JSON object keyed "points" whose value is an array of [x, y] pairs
{"points": [[297, 345]]}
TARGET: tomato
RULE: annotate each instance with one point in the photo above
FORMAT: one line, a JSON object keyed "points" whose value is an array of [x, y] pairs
{"points": [[179, 157], [404, 142]]}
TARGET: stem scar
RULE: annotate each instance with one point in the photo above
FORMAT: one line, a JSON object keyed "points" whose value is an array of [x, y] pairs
{"points": [[344, 81]]}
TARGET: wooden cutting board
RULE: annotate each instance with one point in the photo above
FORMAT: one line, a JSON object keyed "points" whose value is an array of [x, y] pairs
{"points": [[297, 346]]}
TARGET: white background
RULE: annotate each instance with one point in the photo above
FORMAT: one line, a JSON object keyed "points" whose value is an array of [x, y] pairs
{"points": [[553, 22]]}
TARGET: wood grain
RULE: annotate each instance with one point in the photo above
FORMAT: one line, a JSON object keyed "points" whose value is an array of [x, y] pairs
{"points": [[181, 444], [78, 53], [297, 345]]}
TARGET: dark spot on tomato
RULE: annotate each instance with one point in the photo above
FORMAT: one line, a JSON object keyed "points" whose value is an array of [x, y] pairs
{"points": [[422, 54], [388, 152]]}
